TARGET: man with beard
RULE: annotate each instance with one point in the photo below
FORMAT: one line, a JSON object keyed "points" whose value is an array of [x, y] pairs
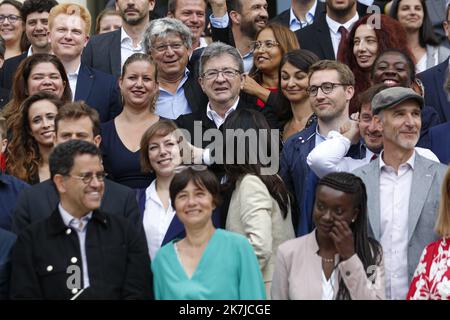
{"points": [[108, 52], [331, 86], [323, 37], [404, 188], [247, 18]]}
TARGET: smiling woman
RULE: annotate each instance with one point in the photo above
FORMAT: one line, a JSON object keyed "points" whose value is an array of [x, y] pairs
{"points": [[12, 28], [33, 136]]}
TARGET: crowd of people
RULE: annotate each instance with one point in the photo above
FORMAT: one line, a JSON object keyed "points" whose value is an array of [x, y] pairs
{"points": [[215, 153]]}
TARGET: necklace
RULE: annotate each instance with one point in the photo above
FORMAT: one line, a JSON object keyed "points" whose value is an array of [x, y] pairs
{"points": [[328, 260]]}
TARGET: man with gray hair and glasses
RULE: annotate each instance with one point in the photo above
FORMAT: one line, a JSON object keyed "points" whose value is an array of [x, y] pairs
{"points": [[169, 42]]}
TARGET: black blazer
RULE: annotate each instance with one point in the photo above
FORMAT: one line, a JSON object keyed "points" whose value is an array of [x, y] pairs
{"points": [[38, 202], [7, 240], [100, 91], [284, 17], [103, 53], [8, 70], [46, 253], [4, 97], [435, 96]]}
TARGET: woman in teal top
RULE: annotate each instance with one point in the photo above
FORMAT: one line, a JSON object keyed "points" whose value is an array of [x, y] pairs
{"points": [[208, 263]]}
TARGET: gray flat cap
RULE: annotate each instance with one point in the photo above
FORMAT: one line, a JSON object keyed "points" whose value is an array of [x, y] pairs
{"points": [[391, 97]]}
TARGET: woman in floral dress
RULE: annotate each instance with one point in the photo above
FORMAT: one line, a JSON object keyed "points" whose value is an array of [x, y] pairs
{"points": [[432, 277]]}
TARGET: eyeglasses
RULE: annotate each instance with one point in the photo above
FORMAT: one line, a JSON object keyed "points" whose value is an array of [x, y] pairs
{"points": [[268, 44], [11, 18], [326, 87], [164, 47], [196, 167], [228, 73], [88, 176]]}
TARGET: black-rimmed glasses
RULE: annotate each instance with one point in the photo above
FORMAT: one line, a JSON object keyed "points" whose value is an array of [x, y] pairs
{"points": [[12, 18], [88, 176], [326, 87]]}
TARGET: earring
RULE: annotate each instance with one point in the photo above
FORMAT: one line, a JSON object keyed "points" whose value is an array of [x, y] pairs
{"points": [[353, 220]]}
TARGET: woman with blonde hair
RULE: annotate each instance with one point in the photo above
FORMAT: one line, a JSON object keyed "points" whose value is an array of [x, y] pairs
{"points": [[431, 279]]}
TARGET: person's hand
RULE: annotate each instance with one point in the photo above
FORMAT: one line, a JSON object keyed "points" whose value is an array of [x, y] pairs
{"points": [[350, 130], [218, 7], [342, 236], [255, 89], [190, 153]]}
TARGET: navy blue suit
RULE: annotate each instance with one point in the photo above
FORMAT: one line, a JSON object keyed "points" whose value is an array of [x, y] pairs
{"points": [[100, 91], [7, 240], [10, 188], [440, 142], [435, 96], [300, 179]]}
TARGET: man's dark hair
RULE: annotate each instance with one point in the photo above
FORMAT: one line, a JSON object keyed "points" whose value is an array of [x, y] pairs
{"points": [[2, 48], [234, 5], [30, 6], [62, 157], [77, 110]]}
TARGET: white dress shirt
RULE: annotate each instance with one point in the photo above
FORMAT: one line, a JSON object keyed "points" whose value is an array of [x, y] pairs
{"points": [[156, 219], [329, 156], [295, 23], [214, 116], [328, 286], [73, 79], [395, 191], [334, 30], [126, 47], [80, 226]]}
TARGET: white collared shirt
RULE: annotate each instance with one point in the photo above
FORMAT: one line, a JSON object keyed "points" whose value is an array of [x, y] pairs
{"points": [[73, 79], [156, 219], [328, 286], [127, 48], [80, 226], [30, 51], [395, 192], [334, 30], [214, 116], [295, 23]]}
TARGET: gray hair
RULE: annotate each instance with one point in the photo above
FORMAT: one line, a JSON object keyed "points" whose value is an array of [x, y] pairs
{"points": [[161, 28], [218, 49]]}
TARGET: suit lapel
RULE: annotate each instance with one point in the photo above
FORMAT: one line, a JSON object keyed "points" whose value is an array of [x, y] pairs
{"points": [[324, 34], [115, 54], [85, 81], [175, 228], [439, 82], [423, 176], [372, 178]]}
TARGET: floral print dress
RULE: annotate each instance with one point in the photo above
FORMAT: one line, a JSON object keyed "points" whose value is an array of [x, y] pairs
{"points": [[432, 277]]}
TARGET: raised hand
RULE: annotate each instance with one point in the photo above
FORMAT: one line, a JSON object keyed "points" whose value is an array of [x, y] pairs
{"points": [[342, 236]]}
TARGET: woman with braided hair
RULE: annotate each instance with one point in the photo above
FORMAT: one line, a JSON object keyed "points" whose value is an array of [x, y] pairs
{"points": [[337, 260]]}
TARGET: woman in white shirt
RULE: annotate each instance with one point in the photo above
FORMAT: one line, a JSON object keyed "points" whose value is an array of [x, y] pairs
{"points": [[160, 154]]}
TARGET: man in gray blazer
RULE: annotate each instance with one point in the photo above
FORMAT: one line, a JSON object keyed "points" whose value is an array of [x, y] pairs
{"points": [[403, 188]]}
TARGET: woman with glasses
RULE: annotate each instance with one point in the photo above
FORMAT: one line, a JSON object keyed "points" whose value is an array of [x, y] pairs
{"points": [[208, 263], [272, 42], [337, 260], [12, 28], [32, 138], [121, 136], [423, 43], [260, 206], [294, 108]]}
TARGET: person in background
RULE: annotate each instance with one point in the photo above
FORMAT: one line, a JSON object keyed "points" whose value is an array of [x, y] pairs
{"points": [[337, 260], [12, 28], [433, 270], [34, 14], [32, 138], [208, 263], [4, 93], [108, 20], [293, 106]]}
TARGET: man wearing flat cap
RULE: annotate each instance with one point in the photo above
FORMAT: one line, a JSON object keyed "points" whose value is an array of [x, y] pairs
{"points": [[403, 188]]}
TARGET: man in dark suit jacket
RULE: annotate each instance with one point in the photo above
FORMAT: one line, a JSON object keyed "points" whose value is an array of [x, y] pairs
{"points": [[300, 8], [317, 37], [74, 121], [34, 15], [7, 240], [80, 252], [108, 52], [98, 89], [440, 142]]}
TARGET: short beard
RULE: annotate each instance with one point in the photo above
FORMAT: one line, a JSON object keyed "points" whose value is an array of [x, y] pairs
{"points": [[248, 29], [342, 12], [132, 21]]}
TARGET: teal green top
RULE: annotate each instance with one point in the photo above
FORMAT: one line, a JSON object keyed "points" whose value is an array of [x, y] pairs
{"points": [[227, 270]]}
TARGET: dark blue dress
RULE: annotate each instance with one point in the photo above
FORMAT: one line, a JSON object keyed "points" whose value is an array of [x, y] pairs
{"points": [[122, 165]]}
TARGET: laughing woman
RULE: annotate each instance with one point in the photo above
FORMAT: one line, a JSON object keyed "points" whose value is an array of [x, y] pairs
{"points": [[33, 136]]}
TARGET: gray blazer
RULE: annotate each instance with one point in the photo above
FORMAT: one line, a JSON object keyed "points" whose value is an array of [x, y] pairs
{"points": [[423, 204]]}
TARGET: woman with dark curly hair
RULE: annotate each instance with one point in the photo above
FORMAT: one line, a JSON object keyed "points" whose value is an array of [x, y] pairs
{"points": [[364, 44], [39, 72], [33, 135], [423, 43]]}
